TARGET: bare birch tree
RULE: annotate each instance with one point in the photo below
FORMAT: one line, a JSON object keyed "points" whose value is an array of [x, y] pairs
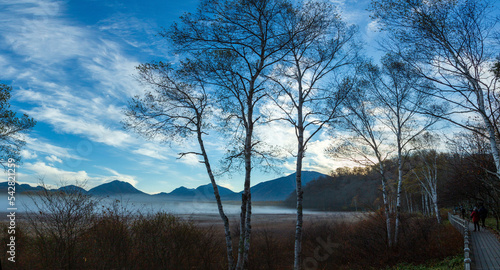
{"points": [[400, 94], [234, 44], [365, 139], [452, 44], [321, 44], [426, 169], [177, 108]]}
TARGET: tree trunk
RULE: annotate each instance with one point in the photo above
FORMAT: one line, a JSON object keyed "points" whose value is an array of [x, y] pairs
{"points": [[245, 218], [246, 203], [386, 209], [492, 134], [408, 202], [435, 203], [227, 232], [398, 194], [248, 229], [299, 193], [241, 243], [298, 180]]}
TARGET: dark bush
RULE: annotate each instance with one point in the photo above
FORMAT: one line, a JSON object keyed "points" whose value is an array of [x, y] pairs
{"points": [[162, 241], [363, 245]]}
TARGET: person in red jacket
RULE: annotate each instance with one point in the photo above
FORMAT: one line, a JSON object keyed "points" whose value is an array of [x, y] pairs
{"points": [[475, 218]]}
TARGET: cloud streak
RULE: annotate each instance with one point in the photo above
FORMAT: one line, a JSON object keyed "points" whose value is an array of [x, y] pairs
{"points": [[36, 145], [53, 176], [77, 81]]}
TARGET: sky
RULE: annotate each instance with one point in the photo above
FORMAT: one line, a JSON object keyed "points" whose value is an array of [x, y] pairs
{"points": [[72, 68]]}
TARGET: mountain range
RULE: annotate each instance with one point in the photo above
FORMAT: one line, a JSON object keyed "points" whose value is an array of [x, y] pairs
{"points": [[273, 190]]}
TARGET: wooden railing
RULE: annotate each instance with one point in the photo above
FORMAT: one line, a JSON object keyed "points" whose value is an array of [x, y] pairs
{"points": [[463, 226]]}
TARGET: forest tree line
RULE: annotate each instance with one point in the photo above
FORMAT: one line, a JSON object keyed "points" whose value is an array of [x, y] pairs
{"points": [[463, 180]]}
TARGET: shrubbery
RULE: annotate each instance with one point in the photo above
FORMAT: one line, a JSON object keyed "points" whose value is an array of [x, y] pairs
{"points": [[120, 240]]}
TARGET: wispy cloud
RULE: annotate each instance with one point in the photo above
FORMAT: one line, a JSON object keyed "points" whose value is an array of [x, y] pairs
{"points": [[53, 159], [27, 154], [53, 176], [76, 80], [117, 176], [151, 150], [79, 125], [35, 145]]}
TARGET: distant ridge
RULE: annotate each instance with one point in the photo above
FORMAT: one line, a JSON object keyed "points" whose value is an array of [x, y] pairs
{"points": [[115, 187], [4, 186], [72, 188], [273, 190], [208, 189], [279, 189], [204, 192]]}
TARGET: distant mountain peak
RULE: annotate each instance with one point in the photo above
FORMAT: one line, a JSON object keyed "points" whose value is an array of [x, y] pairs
{"points": [[115, 187], [72, 188], [279, 188]]}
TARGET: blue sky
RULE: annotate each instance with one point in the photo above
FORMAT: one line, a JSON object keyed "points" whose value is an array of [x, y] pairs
{"points": [[72, 67]]}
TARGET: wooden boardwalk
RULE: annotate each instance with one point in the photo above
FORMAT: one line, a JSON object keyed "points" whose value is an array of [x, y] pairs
{"points": [[485, 249], [484, 246]]}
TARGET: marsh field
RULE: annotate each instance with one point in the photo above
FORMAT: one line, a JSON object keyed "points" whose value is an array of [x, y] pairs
{"points": [[130, 235]]}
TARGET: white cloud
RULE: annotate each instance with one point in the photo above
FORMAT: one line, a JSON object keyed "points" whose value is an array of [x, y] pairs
{"points": [[117, 176], [127, 27], [8, 71], [37, 145], [190, 160], [26, 154], [52, 174], [150, 150], [77, 81], [280, 134], [79, 125], [34, 7], [352, 12], [372, 30], [46, 40], [53, 159], [317, 160], [227, 185]]}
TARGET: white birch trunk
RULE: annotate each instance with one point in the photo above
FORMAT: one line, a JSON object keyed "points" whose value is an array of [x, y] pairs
{"points": [[298, 227], [225, 220], [436, 208], [492, 134], [387, 212], [400, 182], [429, 186], [241, 242], [298, 177], [248, 229], [398, 210], [246, 203]]}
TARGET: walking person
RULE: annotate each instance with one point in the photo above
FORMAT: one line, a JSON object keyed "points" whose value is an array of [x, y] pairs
{"points": [[475, 218], [483, 214]]}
